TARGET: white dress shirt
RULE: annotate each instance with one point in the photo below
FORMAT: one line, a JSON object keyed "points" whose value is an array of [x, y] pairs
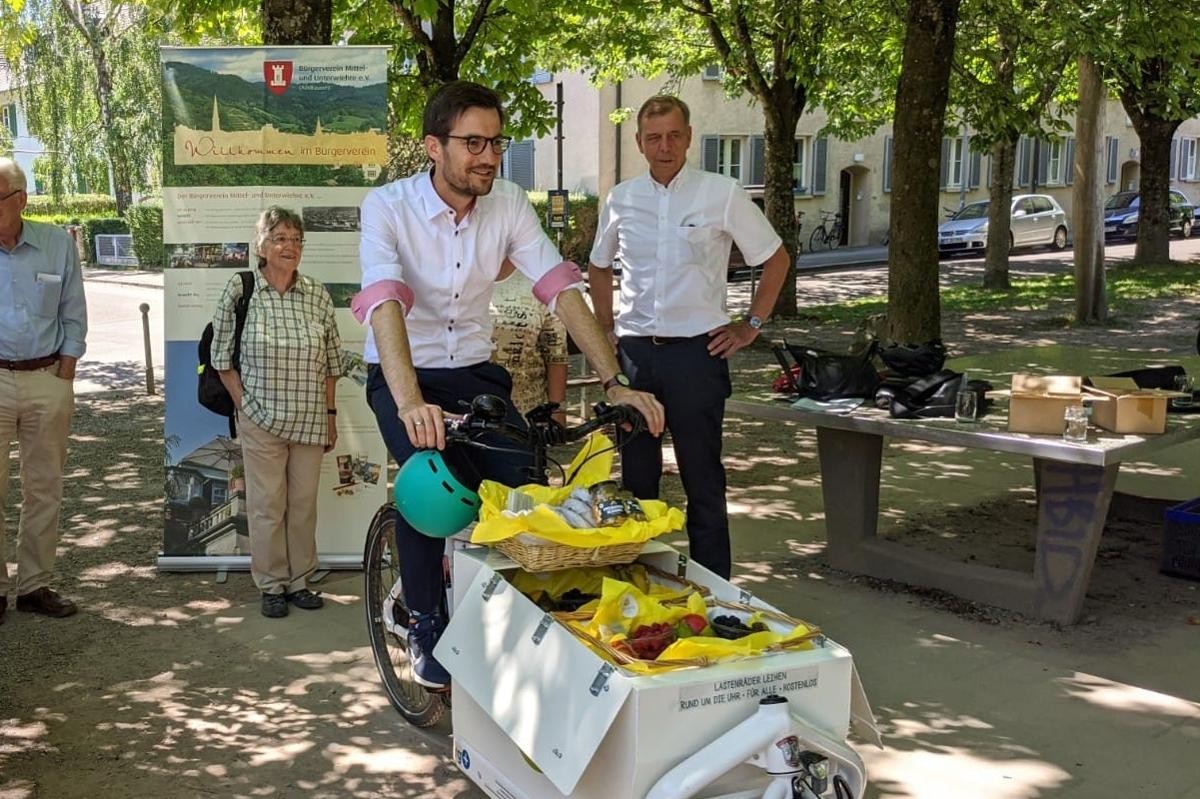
{"points": [[410, 235], [673, 243]]}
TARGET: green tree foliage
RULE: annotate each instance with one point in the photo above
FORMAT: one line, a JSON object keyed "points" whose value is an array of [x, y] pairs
{"points": [[88, 77], [1013, 76], [1151, 56]]}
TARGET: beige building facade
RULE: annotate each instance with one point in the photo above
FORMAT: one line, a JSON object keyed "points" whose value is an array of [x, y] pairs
{"points": [[834, 176]]}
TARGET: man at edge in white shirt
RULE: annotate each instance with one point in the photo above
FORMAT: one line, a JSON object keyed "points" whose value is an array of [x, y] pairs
{"points": [[430, 250], [671, 230]]}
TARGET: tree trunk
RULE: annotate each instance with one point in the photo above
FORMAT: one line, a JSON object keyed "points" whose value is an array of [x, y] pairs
{"points": [[116, 153], [781, 112], [914, 304], [1004, 166], [297, 21], [1154, 136], [1087, 206]]}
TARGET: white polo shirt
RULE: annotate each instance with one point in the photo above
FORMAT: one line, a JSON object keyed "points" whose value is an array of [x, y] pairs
{"points": [[673, 243], [446, 269]]}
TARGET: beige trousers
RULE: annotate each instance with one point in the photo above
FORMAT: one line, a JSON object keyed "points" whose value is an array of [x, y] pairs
{"points": [[35, 410], [282, 478]]}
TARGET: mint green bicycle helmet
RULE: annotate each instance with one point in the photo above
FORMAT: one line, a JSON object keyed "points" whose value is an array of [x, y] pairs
{"points": [[431, 498]]}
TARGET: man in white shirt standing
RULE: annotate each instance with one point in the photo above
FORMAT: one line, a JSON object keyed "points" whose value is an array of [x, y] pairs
{"points": [[431, 249], [671, 230]]}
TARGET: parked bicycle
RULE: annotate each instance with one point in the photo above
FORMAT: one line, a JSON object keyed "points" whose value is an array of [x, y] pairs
{"points": [[827, 234]]}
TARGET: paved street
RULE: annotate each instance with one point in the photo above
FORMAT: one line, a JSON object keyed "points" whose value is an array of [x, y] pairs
{"points": [[116, 352]]}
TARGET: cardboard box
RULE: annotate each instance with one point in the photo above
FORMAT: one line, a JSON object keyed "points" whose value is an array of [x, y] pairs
{"points": [[1038, 402], [537, 714], [1120, 406]]}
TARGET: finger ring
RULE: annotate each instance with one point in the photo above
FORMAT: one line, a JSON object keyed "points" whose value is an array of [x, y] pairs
{"points": [[419, 423]]}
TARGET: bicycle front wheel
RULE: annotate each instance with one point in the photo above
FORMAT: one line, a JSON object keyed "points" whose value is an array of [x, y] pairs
{"points": [[387, 623], [817, 239]]}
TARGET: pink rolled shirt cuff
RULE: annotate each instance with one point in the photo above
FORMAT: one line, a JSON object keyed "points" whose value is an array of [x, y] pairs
{"points": [[557, 280], [375, 294]]}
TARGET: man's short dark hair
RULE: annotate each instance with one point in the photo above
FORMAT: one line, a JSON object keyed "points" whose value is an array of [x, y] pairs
{"points": [[450, 102], [661, 104]]}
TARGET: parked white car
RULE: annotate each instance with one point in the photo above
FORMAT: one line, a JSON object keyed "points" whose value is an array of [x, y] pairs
{"points": [[1037, 221]]}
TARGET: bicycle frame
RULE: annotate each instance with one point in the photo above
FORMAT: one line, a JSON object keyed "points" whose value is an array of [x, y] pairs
{"points": [[796, 755]]}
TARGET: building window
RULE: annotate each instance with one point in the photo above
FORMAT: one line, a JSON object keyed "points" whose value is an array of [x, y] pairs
{"points": [[1054, 163], [729, 157], [800, 182], [954, 163], [219, 495], [1187, 167], [712, 72], [8, 115]]}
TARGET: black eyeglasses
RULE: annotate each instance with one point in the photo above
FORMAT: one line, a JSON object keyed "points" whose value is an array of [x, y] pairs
{"points": [[18, 191], [475, 144]]}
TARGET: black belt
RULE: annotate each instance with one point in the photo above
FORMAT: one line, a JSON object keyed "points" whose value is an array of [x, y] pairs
{"points": [[29, 365], [660, 341]]}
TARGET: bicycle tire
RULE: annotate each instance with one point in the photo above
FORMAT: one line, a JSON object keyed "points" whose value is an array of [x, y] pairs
{"points": [[817, 239], [381, 574], [835, 238]]}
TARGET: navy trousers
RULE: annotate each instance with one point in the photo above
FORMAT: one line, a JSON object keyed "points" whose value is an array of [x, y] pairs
{"points": [[420, 555], [692, 386]]}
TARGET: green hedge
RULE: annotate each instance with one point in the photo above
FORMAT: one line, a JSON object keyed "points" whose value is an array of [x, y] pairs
{"points": [[145, 223], [104, 225], [71, 206], [581, 227]]}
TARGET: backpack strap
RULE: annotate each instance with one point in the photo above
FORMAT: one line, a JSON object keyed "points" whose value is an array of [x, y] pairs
{"points": [[239, 317], [240, 309]]}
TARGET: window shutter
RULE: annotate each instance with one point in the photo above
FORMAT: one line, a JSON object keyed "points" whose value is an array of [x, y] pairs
{"points": [[820, 149], [710, 153], [976, 168], [757, 155], [518, 163], [1043, 172], [945, 163], [1173, 164], [1069, 161], [1110, 174], [887, 163], [10, 118]]}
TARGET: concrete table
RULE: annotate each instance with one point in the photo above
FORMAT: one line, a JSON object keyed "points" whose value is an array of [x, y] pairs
{"points": [[1074, 485]]}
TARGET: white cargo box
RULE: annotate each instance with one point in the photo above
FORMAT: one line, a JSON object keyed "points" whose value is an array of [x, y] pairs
{"points": [[537, 714]]}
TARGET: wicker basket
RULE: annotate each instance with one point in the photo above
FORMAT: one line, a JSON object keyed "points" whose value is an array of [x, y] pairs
{"points": [[622, 659], [551, 557]]}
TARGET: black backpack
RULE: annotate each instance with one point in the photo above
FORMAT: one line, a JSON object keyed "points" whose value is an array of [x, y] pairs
{"points": [[210, 391], [933, 396]]}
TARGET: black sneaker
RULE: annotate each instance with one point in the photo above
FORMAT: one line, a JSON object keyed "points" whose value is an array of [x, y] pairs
{"points": [[274, 606], [423, 634], [305, 599]]}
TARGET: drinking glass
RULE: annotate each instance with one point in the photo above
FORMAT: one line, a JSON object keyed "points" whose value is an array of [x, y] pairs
{"points": [[1186, 384], [1075, 424], [966, 406]]}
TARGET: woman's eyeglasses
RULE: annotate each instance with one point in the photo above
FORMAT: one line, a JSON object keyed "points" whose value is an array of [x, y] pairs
{"points": [[475, 144], [280, 241]]}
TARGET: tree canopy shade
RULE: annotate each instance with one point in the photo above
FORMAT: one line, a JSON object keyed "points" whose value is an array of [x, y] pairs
{"points": [[88, 75]]}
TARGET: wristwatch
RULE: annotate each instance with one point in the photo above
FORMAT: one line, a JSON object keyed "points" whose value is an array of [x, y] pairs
{"points": [[619, 379], [755, 322]]}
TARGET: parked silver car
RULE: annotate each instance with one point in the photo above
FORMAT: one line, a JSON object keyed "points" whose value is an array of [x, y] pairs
{"points": [[1037, 220]]}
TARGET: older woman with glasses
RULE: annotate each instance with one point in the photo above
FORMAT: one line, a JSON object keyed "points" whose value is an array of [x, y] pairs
{"points": [[291, 359]]}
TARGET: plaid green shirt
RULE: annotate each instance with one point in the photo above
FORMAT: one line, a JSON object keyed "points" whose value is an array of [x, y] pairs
{"points": [[290, 345]]}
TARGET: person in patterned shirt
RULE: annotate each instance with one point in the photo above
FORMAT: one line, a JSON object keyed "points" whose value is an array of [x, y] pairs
{"points": [[529, 341], [291, 359]]}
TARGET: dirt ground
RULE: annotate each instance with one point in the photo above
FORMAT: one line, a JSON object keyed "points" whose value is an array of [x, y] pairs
{"points": [[137, 695]]}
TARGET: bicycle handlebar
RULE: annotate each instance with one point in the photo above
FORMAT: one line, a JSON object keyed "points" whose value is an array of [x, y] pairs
{"points": [[488, 415]]}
